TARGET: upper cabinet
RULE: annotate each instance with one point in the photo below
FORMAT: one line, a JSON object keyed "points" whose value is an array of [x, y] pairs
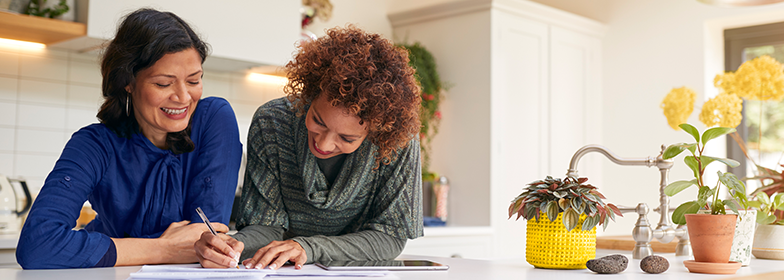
{"points": [[241, 33]]}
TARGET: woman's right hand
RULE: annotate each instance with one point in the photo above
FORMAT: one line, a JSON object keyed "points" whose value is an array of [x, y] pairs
{"points": [[180, 236], [221, 251]]}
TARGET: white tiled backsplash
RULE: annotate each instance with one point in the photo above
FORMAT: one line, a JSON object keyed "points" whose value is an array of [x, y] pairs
{"points": [[45, 96]]}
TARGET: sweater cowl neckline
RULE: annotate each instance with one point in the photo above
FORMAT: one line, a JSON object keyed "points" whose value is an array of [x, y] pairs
{"points": [[354, 174]]}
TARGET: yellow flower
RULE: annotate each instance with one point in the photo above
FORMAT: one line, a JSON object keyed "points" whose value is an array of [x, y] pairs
{"points": [[725, 83], [758, 79], [723, 110], [678, 105]]}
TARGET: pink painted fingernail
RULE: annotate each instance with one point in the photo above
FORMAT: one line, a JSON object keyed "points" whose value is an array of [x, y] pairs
{"points": [[233, 264], [299, 266], [272, 266], [258, 266]]}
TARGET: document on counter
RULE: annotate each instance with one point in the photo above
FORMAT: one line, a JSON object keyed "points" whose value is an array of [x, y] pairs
{"points": [[195, 271]]}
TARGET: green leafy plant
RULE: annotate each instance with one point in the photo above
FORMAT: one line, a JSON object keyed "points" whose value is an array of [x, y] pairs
{"points": [[424, 64], [570, 196], [767, 208], [36, 8], [707, 197]]}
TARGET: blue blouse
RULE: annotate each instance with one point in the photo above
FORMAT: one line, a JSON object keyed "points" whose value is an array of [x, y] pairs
{"points": [[136, 188]]}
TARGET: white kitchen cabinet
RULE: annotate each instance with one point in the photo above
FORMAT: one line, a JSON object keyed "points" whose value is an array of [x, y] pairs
{"points": [[452, 242], [242, 33], [525, 95]]}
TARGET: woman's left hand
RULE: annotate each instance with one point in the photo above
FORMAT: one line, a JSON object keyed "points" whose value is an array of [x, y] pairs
{"points": [[277, 253]]}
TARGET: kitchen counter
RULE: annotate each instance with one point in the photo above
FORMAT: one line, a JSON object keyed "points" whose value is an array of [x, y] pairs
{"points": [[8, 241], [465, 269], [8, 250]]}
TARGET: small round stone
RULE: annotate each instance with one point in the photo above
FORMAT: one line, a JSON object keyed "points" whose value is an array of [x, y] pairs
{"points": [[654, 264], [611, 264]]}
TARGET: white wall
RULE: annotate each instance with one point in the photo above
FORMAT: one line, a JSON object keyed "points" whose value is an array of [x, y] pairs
{"points": [[652, 46], [47, 95], [370, 15]]}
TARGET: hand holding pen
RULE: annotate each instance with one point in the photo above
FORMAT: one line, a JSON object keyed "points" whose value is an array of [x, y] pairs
{"points": [[217, 251]]}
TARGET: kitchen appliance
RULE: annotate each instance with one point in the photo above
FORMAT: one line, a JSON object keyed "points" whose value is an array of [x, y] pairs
{"points": [[10, 215]]}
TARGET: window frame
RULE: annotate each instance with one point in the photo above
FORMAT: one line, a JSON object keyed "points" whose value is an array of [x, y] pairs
{"points": [[735, 41]]}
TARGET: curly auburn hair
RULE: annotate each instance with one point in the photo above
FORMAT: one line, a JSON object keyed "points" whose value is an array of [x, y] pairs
{"points": [[364, 73]]}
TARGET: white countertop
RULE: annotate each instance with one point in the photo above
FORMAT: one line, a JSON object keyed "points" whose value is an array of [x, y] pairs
{"points": [[459, 269], [8, 241]]}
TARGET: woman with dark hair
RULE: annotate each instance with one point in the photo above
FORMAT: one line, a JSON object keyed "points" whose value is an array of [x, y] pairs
{"points": [[158, 154], [333, 170]]}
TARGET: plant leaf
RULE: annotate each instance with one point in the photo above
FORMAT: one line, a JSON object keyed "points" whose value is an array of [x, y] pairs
{"points": [[532, 212], [715, 132], [736, 188], [690, 207], [718, 208], [615, 209], [610, 212], [591, 221], [570, 219], [778, 201], [692, 163], [706, 160], [763, 197], [552, 211], [732, 205], [563, 203], [763, 218], [676, 149], [691, 130], [678, 186], [578, 205], [704, 194]]}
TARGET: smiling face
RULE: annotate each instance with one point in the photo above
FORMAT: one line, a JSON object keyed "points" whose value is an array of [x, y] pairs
{"points": [[165, 95], [332, 130]]}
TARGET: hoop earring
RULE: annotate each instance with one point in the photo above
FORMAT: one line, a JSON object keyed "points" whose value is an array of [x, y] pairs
{"points": [[127, 101]]}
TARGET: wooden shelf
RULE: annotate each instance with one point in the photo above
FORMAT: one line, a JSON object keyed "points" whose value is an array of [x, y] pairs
{"points": [[626, 242], [38, 29]]}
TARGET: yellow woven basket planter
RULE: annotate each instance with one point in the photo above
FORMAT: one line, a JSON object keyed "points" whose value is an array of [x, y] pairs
{"points": [[549, 245]]}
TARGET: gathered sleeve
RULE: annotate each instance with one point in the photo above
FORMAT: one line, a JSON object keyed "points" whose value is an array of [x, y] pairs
{"points": [[215, 170], [263, 217], [47, 239]]}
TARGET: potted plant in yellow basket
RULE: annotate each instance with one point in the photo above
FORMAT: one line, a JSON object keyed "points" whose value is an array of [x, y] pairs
{"points": [[562, 218]]}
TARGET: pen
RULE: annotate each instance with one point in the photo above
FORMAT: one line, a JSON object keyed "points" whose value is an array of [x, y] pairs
{"points": [[209, 226]]}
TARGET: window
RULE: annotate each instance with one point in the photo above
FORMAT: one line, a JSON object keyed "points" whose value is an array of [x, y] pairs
{"points": [[740, 45]]}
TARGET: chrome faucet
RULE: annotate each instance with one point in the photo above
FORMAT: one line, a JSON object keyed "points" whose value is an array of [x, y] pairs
{"points": [[642, 233]]}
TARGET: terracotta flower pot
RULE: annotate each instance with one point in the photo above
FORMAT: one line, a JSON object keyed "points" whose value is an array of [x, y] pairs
{"points": [[711, 236]]}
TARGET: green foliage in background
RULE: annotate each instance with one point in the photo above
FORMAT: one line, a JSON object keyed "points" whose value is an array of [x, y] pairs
{"points": [[36, 8], [432, 93]]}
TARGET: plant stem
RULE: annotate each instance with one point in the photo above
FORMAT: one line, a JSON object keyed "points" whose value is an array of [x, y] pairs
{"points": [[716, 199], [759, 140]]}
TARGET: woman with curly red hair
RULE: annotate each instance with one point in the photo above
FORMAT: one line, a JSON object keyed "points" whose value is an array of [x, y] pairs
{"points": [[333, 169]]}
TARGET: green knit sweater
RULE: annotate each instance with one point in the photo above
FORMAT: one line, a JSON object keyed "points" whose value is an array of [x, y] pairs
{"points": [[365, 214]]}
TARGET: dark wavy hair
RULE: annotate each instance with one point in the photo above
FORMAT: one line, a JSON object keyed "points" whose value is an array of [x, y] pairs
{"points": [[364, 73], [143, 37]]}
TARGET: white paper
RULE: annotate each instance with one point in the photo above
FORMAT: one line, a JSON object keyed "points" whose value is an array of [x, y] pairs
{"points": [[195, 271]]}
